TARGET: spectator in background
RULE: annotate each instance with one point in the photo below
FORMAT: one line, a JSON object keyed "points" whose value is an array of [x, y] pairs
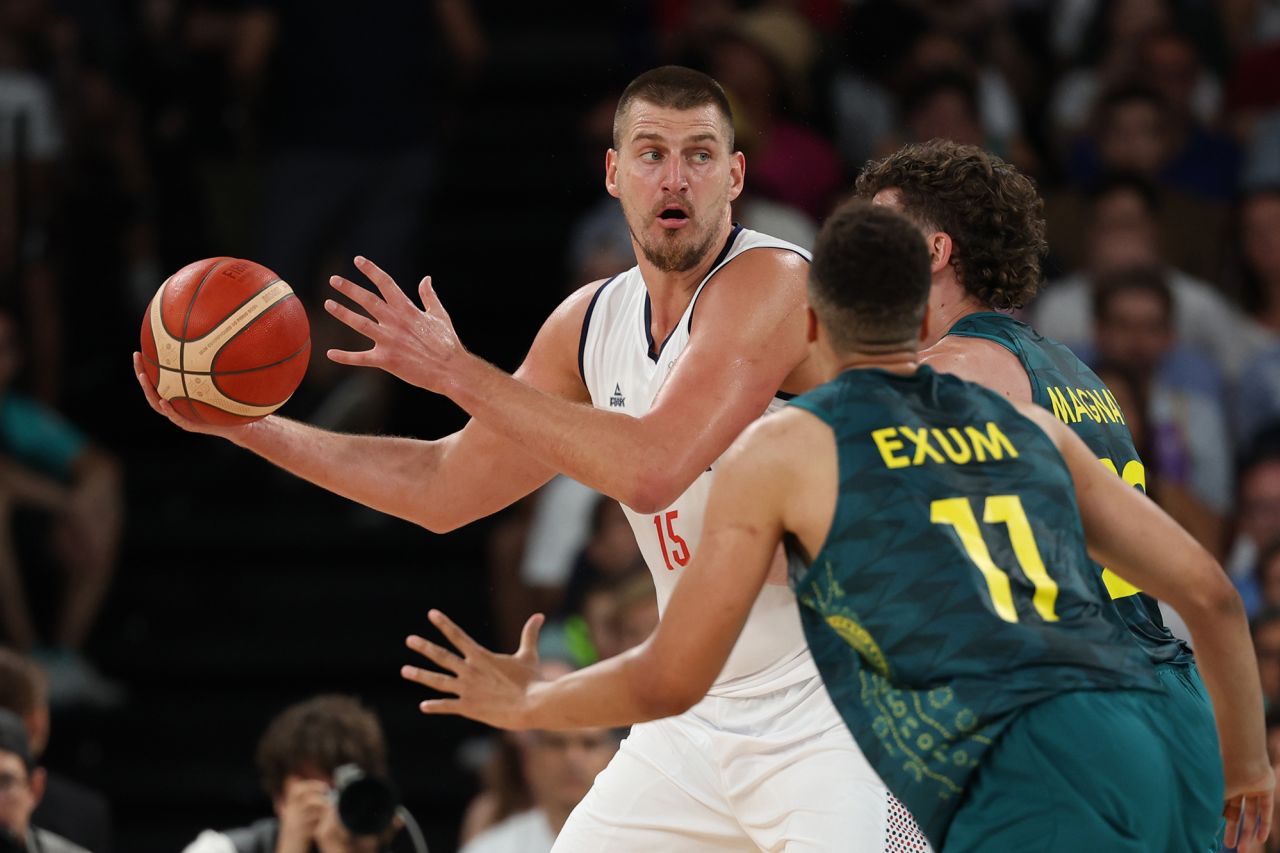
{"points": [[21, 785], [297, 757], [755, 60], [533, 780], [1124, 215], [47, 465], [1265, 629], [77, 813], [1258, 393], [1131, 134], [333, 191], [1268, 574], [1133, 316], [1257, 514]]}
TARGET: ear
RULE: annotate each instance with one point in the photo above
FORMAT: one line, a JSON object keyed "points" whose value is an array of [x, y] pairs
{"points": [[940, 248], [811, 333], [38, 779], [611, 173], [737, 174]]}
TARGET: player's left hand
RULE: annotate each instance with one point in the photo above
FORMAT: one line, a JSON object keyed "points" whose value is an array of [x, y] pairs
{"points": [[417, 346], [489, 687], [1248, 814]]}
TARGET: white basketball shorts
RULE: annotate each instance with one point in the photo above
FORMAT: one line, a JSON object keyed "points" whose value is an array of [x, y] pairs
{"points": [[778, 772]]}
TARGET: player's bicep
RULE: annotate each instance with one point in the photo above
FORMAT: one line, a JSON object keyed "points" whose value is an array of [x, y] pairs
{"points": [[749, 336]]}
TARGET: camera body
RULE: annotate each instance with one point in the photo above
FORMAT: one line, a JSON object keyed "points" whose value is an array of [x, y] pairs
{"points": [[366, 804]]}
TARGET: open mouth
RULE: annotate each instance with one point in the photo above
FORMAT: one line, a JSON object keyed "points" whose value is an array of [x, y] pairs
{"points": [[673, 214]]}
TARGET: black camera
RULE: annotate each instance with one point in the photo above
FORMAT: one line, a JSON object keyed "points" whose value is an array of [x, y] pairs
{"points": [[366, 804]]}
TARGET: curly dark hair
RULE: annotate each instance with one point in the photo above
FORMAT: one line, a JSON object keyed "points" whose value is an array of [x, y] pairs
{"points": [[991, 211], [320, 735]]}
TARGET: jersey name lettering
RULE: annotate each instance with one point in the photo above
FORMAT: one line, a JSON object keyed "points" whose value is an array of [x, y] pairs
{"points": [[903, 446]]}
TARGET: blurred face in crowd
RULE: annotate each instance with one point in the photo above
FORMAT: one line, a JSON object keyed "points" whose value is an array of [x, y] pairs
{"points": [[1122, 233], [1135, 331], [947, 114], [560, 766], [1260, 235], [1260, 502], [1129, 19], [19, 793], [1266, 643], [1171, 66], [612, 547], [636, 622], [1134, 137], [676, 177]]}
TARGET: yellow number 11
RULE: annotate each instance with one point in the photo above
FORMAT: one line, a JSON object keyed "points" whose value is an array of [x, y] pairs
{"points": [[1007, 510]]}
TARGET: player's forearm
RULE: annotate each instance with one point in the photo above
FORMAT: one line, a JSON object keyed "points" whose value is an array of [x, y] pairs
{"points": [[389, 474], [613, 453], [1220, 635], [629, 688]]}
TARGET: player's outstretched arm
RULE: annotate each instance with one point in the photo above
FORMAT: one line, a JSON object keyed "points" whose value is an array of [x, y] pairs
{"points": [[440, 484], [672, 669], [1132, 536], [750, 336]]}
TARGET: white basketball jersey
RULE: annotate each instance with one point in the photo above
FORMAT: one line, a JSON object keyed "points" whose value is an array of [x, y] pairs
{"points": [[622, 376]]}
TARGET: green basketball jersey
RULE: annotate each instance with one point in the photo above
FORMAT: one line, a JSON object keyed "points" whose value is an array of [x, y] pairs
{"points": [[953, 590], [1064, 385]]}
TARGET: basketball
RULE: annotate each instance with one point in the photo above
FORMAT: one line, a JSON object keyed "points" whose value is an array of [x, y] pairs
{"points": [[225, 340]]}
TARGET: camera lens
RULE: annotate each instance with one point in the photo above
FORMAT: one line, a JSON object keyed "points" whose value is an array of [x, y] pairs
{"points": [[366, 804]]}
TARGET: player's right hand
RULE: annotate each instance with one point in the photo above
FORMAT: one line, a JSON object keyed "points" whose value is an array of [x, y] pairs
{"points": [[164, 407], [1248, 811], [489, 687]]}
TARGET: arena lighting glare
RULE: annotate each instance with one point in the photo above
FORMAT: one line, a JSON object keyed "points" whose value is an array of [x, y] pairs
{"points": [[367, 805]]}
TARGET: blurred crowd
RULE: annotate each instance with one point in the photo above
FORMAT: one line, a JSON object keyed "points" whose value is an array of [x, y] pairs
{"points": [[138, 136]]}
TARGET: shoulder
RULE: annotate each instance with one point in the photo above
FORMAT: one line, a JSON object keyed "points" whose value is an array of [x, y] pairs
{"points": [[763, 284], [779, 441], [982, 361]]}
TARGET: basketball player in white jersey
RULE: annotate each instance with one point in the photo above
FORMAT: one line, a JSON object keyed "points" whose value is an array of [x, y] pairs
{"points": [[635, 386]]}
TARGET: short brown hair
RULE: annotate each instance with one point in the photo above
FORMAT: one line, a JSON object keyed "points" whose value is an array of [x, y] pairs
{"points": [[1140, 279], [869, 280], [320, 735], [674, 87], [991, 211], [23, 689]]}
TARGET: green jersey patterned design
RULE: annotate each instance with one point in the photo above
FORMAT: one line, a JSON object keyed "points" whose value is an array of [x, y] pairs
{"points": [[953, 589], [1064, 385]]}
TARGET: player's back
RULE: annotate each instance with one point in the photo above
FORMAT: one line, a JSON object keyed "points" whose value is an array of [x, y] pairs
{"points": [[624, 369], [953, 589], [1063, 384]]}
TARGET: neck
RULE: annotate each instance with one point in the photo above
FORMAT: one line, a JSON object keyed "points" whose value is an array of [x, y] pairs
{"points": [[948, 302], [670, 292], [903, 360], [556, 816]]}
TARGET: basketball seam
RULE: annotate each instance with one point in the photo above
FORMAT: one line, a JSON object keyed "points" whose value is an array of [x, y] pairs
{"points": [[191, 304], [223, 392], [231, 372], [237, 307]]}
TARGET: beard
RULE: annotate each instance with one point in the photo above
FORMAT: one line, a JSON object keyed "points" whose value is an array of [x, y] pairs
{"points": [[673, 251]]}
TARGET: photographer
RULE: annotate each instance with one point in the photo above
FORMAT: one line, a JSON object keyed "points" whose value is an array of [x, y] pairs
{"points": [[310, 749], [21, 785]]}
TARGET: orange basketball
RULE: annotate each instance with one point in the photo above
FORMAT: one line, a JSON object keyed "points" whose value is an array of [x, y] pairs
{"points": [[225, 340]]}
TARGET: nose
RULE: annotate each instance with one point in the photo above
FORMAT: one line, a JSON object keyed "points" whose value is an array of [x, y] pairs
{"points": [[673, 178]]}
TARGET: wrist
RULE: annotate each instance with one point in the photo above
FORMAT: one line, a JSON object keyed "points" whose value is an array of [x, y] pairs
{"points": [[463, 382]]}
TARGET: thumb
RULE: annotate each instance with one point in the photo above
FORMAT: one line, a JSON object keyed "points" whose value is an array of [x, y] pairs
{"points": [[430, 302], [529, 638]]}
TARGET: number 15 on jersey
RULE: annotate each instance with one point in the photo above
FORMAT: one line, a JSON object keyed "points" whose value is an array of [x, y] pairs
{"points": [[674, 548]]}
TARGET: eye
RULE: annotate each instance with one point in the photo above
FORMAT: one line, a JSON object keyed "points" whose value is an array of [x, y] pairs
{"points": [[702, 157], [650, 156]]}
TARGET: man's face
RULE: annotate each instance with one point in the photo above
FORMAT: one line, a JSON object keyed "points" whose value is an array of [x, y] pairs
{"points": [[18, 794], [1134, 332], [560, 766], [675, 176], [1261, 235], [1135, 138], [1260, 502], [1122, 233]]}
